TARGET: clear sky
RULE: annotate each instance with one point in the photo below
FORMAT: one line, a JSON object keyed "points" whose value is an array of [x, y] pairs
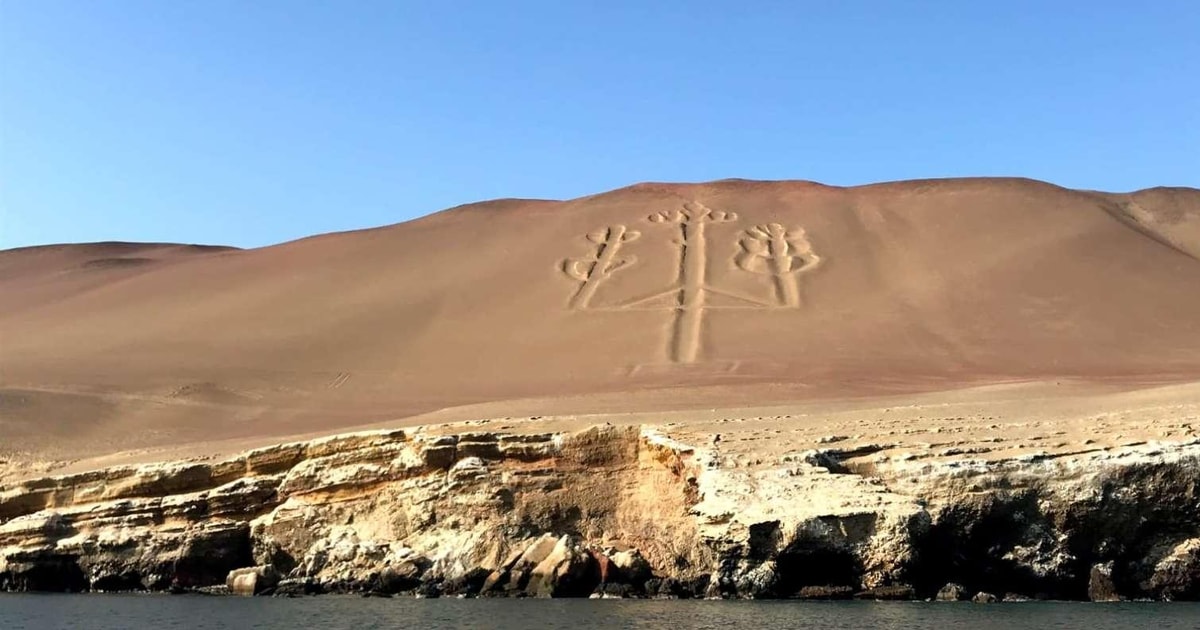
{"points": [[250, 123]]}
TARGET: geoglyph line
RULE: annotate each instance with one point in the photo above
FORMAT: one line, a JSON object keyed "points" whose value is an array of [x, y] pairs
{"points": [[593, 271], [693, 266], [768, 249]]}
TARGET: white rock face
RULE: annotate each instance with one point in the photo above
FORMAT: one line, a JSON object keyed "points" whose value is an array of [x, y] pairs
{"points": [[613, 512], [252, 580]]}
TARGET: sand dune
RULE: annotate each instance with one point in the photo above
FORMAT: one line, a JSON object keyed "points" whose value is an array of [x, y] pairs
{"points": [[656, 296]]}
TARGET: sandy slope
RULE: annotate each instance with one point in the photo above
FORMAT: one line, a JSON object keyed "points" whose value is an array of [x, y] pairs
{"points": [[589, 306]]}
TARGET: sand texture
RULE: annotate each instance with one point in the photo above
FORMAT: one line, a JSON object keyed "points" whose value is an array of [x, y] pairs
{"points": [[729, 297]]}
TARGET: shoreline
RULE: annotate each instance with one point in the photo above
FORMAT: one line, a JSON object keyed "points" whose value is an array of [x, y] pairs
{"points": [[616, 512]]}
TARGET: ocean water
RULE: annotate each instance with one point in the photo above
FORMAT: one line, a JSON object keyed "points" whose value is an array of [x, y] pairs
{"points": [[103, 612]]}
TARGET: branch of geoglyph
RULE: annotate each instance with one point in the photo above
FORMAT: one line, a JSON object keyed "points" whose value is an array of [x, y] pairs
{"points": [[693, 212], [782, 254], [592, 271]]}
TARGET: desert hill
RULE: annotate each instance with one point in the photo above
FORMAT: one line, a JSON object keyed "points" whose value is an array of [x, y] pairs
{"points": [[652, 297]]}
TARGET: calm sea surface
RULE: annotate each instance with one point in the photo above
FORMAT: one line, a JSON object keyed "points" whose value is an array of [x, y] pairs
{"points": [[46, 612]]}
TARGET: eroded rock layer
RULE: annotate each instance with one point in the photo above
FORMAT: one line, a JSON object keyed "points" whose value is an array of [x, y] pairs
{"points": [[614, 512]]}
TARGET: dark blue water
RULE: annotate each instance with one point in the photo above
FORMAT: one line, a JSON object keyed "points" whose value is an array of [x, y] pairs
{"points": [[47, 612]]}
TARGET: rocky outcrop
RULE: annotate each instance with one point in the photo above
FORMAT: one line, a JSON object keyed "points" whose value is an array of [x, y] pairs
{"points": [[252, 580], [387, 511], [613, 512], [951, 593]]}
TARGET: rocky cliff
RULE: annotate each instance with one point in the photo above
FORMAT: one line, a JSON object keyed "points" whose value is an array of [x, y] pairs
{"points": [[615, 511]]}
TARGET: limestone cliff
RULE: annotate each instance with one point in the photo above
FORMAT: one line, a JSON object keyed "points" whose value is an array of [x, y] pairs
{"points": [[614, 511]]}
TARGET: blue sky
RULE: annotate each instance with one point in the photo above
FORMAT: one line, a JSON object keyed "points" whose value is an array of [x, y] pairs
{"points": [[250, 123]]}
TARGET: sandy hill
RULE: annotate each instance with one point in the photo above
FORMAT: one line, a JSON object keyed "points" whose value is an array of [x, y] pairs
{"points": [[652, 297]]}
